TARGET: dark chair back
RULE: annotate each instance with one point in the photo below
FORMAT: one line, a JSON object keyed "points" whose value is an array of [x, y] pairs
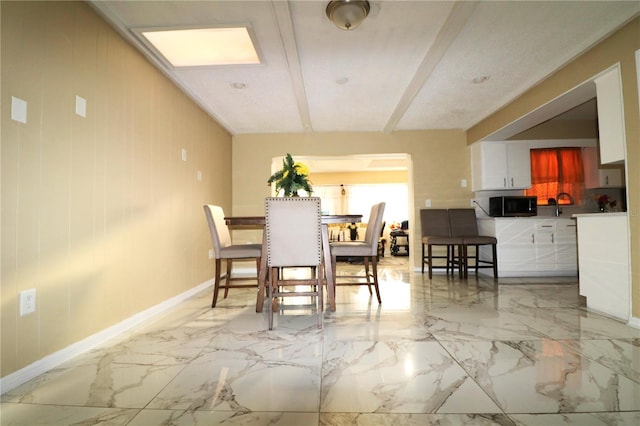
{"points": [[434, 222], [463, 222]]}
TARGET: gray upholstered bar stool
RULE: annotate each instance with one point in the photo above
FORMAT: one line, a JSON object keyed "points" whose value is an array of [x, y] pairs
{"points": [[436, 232], [464, 224]]}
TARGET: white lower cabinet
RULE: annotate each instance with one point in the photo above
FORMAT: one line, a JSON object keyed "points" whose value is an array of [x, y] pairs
{"points": [[532, 246]]}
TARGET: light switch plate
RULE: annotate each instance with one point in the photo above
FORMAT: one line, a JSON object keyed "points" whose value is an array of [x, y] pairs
{"points": [[427, 203], [463, 183], [81, 106], [19, 110], [184, 154]]}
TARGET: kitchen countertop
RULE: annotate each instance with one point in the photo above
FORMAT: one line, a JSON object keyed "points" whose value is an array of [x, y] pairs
{"points": [[603, 215], [535, 217]]}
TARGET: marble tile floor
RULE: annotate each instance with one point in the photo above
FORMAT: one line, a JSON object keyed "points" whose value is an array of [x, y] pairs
{"points": [[439, 352]]}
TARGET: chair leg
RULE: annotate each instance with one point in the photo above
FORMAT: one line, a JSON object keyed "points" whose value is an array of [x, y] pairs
{"points": [[273, 281], [319, 276], [430, 259], [216, 285], [423, 258], [366, 273], [320, 299], [374, 268], [228, 280], [495, 260], [465, 261], [477, 258]]}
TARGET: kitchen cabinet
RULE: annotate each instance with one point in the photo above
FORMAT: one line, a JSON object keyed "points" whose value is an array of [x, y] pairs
{"points": [[500, 165], [600, 176], [532, 246], [610, 116], [604, 257]]}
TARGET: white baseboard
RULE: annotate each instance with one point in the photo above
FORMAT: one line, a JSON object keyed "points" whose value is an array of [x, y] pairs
{"points": [[634, 322], [45, 364]]}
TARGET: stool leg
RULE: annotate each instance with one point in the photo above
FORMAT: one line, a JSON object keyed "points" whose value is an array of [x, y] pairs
{"points": [[495, 261], [430, 257], [465, 261]]}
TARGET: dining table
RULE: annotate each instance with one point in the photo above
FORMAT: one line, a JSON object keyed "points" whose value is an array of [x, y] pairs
{"points": [[258, 222]]}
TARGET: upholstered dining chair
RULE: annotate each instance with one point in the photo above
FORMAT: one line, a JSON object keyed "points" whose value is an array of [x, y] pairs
{"points": [[436, 231], [294, 239], [464, 224], [224, 250], [367, 249]]}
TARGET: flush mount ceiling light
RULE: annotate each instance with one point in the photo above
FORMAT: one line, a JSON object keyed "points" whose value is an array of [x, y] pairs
{"points": [[347, 14], [194, 47]]}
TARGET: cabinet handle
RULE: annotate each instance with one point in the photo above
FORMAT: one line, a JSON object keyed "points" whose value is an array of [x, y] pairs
{"points": [[505, 182], [552, 239], [547, 226], [606, 180], [533, 238], [571, 226], [512, 182]]}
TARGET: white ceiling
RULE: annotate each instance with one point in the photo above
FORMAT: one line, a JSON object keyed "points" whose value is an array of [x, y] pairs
{"points": [[409, 66]]}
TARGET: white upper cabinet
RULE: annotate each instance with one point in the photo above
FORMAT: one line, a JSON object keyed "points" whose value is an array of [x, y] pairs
{"points": [[610, 116], [598, 176], [500, 165]]}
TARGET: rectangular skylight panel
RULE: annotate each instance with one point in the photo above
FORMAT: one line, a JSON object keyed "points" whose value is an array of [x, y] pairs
{"points": [[204, 46]]}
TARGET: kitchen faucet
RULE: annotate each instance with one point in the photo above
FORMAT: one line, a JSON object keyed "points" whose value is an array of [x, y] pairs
{"points": [[558, 209]]}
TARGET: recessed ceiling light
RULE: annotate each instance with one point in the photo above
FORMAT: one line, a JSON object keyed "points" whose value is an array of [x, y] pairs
{"points": [[343, 80], [204, 46], [480, 79], [239, 85]]}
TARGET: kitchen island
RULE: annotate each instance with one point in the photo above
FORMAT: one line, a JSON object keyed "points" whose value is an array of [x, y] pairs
{"points": [[604, 263], [532, 246]]}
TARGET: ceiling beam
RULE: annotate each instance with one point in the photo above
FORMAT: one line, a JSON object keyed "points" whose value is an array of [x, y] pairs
{"points": [[287, 36], [461, 11]]}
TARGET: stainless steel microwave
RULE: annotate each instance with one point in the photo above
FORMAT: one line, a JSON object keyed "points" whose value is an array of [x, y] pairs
{"points": [[511, 206]]}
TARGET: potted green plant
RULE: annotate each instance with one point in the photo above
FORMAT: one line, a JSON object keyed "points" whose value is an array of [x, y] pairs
{"points": [[293, 177]]}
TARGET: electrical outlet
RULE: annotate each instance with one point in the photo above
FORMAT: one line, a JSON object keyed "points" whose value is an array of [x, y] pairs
{"points": [[427, 203], [210, 253], [473, 203], [463, 183], [27, 301], [183, 154]]}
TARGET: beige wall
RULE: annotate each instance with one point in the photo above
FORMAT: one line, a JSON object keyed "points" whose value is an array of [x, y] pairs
{"points": [[618, 48], [560, 129], [440, 161], [349, 178], [99, 214]]}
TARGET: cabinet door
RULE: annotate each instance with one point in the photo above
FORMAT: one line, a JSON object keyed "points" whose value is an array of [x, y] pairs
{"points": [[566, 245], [516, 248], [597, 176], [610, 116], [489, 164], [545, 244], [519, 166], [500, 165]]}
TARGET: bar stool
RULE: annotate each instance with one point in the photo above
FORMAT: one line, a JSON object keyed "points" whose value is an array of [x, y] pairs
{"points": [[464, 224], [436, 231]]}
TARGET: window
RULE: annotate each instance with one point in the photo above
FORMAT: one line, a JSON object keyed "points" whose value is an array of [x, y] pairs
{"points": [[556, 170], [359, 198]]}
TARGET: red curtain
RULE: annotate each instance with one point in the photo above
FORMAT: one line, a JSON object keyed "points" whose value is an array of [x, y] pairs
{"points": [[555, 170]]}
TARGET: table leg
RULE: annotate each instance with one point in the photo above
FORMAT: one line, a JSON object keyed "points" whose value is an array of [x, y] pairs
{"points": [[329, 273], [262, 274]]}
